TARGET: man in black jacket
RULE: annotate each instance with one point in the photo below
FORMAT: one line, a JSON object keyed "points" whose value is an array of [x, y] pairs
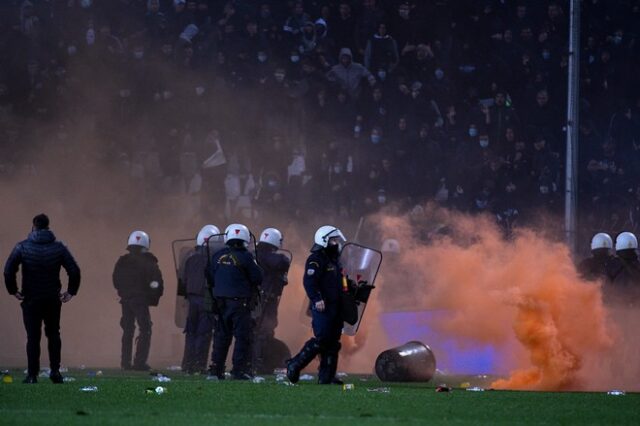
{"points": [[41, 257], [138, 280]]}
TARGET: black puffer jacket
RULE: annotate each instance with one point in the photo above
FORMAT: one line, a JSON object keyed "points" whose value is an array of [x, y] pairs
{"points": [[41, 257], [137, 277], [275, 267]]}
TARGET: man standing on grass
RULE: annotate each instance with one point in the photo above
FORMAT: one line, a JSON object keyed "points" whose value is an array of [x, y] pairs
{"points": [[41, 257]]}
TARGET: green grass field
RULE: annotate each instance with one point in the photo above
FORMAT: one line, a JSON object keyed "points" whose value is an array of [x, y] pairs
{"points": [[121, 399]]}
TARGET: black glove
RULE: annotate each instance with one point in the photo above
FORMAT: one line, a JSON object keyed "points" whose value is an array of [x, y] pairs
{"points": [[363, 292]]}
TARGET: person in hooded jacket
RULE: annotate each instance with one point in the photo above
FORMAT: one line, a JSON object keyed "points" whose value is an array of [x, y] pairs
{"points": [[138, 280], [41, 256]]}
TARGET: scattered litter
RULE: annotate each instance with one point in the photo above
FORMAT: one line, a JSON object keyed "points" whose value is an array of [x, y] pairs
{"points": [[7, 378], [475, 389], [4, 372], [348, 387], [482, 376], [616, 392], [381, 390], [227, 374], [465, 385], [64, 370], [443, 388], [212, 378], [286, 383], [157, 390], [277, 371], [281, 377], [306, 377], [161, 378], [43, 374], [341, 374], [160, 390], [364, 379], [257, 379], [174, 368], [89, 389], [99, 373], [68, 379]]}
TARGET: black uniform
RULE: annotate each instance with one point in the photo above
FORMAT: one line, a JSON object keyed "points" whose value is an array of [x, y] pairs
{"points": [[138, 280], [41, 257], [199, 327], [597, 266], [276, 267], [322, 281], [235, 277], [624, 288]]}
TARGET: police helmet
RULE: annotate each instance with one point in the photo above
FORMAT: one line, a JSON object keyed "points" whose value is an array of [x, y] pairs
{"points": [[139, 238], [237, 231], [626, 241], [324, 233], [271, 236], [601, 241], [205, 233]]}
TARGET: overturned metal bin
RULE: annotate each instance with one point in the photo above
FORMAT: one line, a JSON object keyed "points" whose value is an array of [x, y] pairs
{"points": [[412, 362]]}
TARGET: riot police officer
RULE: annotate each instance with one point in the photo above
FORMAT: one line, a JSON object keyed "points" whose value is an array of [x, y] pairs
{"points": [[598, 265], [275, 268], [624, 290], [235, 278], [138, 280], [199, 326], [322, 283]]}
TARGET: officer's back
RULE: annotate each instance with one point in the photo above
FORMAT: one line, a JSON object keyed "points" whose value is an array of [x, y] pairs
{"points": [[234, 271], [624, 289], [275, 268], [133, 274]]}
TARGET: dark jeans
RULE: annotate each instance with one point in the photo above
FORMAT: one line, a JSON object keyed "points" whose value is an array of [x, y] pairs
{"points": [[34, 313], [233, 321], [135, 311], [265, 332]]}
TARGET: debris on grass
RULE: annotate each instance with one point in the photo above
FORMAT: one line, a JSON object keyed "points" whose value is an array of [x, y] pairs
{"points": [[306, 377], [281, 378], [68, 379], [161, 378], [380, 390], [89, 389], [277, 371], [616, 392], [348, 387], [7, 378], [258, 379], [465, 385], [174, 368], [341, 374], [475, 389], [443, 388]]}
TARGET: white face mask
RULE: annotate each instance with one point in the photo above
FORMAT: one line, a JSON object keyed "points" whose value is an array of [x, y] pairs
{"points": [[295, 59]]}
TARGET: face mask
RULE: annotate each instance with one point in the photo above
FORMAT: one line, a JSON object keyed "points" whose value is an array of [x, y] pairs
{"points": [[262, 58], [382, 199], [375, 139], [295, 59], [382, 75], [357, 129], [484, 143], [333, 250], [473, 132], [439, 74]]}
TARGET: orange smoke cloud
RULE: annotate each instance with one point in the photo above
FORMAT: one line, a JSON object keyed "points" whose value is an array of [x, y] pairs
{"points": [[497, 291]]}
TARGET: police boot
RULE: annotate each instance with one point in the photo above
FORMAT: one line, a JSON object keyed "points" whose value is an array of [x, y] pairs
{"points": [[294, 365], [328, 368], [216, 371]]}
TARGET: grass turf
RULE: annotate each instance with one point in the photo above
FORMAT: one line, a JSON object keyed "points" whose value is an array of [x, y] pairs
{"points": [[121, 399]]}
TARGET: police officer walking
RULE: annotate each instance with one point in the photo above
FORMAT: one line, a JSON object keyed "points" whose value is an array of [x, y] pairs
{"points": [[41, 257], [199, 326], [235, 278], [275, 267], [138, 280], [598, 265], [323, 284]]}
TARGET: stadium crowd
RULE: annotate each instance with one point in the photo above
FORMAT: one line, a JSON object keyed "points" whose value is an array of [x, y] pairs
{"points": [[328, 107]]}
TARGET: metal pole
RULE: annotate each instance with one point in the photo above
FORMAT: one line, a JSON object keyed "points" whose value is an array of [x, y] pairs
{"points": [[571, 172]]}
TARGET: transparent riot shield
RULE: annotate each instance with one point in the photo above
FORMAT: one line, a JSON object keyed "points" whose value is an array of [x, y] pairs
{"points": [[360, 264], [181, 249]]}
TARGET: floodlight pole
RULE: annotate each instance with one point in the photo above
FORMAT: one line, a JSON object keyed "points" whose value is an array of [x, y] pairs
{"points": [[571, 170]]}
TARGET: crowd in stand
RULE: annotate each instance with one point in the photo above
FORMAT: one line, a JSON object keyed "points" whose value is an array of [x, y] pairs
{"points": [[250, 108]]}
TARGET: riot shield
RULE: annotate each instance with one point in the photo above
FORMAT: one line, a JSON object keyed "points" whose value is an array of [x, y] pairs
{"points": [[181, 249], [360, 264]]}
